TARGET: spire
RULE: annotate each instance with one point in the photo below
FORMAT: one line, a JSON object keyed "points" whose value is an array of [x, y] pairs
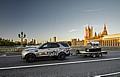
{"points": [[92, 27], [85, 28], [88, 27], [104, 30], [99, 35], [95, 34]]}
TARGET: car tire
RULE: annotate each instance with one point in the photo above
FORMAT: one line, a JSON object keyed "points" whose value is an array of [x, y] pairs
{"points": [[30, 58], [101, 55], [84, 55], [94, 55], [77, 52], [61, 56]]}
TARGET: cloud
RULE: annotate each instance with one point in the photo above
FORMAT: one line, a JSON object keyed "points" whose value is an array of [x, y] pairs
{"points": [[72, 30], [92, 10]]}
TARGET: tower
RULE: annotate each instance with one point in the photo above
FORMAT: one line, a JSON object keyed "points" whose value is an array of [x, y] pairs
{"points": [[54, 39], [88, 32], [50, 40], [104, 30], [95, 35], [91, 32]]}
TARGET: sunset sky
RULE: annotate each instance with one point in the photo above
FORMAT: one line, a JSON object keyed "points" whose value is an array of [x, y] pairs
{"points": [[65, 19]]}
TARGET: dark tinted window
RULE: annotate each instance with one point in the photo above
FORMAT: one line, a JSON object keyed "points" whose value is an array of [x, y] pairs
{"points": [[90, 44], [95, 44], [54, 45], [46, 45], [64, 44]]}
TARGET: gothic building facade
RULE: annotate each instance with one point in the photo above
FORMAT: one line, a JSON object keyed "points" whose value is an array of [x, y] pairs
{"points": [[90, 36], [103, 37], [89, 33]]}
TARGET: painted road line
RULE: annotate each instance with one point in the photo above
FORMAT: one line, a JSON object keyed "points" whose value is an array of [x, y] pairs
{"points": [[53, 64], [10, 56], [106, 75]]}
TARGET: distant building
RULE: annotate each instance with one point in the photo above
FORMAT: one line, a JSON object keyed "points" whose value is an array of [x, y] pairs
{"points": [[32, 42], [102, 37], [77, 42], [50, 40], [74, 42], [96, 37], [111, 40], [25, 42], [88, 32], [54, 39]]}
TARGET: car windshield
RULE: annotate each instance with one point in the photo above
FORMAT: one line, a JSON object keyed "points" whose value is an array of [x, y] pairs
{"points": [[93, 44]]}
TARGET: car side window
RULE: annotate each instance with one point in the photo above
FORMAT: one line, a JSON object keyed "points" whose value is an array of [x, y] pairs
{"points": [[46, 45], [54, 45]]}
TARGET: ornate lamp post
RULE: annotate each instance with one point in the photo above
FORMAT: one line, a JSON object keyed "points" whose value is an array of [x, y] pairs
{"points": [[22, 36]]}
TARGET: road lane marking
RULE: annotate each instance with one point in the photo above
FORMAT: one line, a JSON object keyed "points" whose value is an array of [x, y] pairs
{"points": [[53, 64], [10, 56], [105, 75]]}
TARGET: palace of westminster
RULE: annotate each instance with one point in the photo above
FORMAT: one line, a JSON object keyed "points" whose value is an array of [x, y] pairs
{"points": [[103, 37]]}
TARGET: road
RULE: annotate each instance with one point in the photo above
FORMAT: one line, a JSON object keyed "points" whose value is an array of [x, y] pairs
{"points": [[73, 66]]}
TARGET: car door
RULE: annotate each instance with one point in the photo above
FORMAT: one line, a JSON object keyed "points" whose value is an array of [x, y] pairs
{"points": [[44, 49], [54, 47]]}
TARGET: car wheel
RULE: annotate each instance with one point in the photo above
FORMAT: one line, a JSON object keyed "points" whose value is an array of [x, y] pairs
{"points": [[100, 55], [94, 55], [30, 58], [77, 52], [61, 56], [84, 55]]}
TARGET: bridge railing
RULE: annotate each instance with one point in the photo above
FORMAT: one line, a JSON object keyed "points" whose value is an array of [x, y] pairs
{"points": [[107, 48]]}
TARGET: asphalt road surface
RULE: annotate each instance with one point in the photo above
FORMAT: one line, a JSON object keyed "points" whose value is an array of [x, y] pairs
{"points": [[73, 66]]}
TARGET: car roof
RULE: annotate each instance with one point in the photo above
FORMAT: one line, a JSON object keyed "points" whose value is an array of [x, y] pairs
{"points": [[55, 42]]}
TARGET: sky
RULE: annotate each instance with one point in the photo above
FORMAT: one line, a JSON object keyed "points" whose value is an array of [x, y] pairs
{"points": [[65, 19]]}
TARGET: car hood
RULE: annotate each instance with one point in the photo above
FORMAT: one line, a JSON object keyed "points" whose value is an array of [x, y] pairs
{"points": [[31, 49]]}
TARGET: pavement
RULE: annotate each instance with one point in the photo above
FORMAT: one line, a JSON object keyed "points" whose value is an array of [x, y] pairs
{"points": [[73, 66]]}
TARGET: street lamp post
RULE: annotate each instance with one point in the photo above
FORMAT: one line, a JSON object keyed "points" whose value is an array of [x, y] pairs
{"points": [[22, 36]]}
